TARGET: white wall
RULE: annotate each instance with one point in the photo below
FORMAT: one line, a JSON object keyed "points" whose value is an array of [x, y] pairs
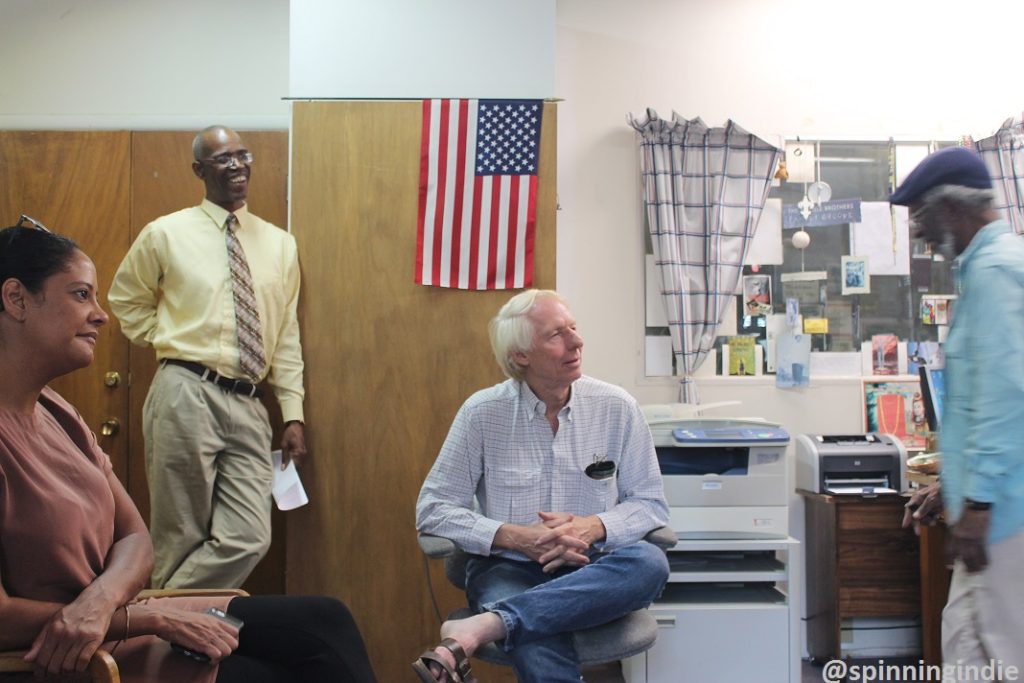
{"points": [[143, 64], [413, 49], [865, 70]]}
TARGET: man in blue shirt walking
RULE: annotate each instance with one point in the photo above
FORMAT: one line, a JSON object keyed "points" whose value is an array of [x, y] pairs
{"points": [[951, 207]]}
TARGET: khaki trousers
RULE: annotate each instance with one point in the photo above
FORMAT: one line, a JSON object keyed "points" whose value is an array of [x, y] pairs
{"points": [[983, 621], [209, 471]]}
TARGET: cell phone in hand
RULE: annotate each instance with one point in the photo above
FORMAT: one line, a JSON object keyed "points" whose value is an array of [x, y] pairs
{"points": [[213, 612]]}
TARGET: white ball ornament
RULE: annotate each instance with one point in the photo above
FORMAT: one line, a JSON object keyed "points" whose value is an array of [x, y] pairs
{"points": [[801, 239]]}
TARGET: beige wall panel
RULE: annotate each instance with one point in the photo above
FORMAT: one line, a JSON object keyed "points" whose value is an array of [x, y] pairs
{"points": [[76, 183], [388, 364]]}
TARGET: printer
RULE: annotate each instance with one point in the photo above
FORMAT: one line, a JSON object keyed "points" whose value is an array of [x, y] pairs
{"points": [[861, 464], [723, 477]]}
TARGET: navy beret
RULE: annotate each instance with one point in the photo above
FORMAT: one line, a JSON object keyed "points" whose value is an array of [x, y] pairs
{"points": [[949, 166]]}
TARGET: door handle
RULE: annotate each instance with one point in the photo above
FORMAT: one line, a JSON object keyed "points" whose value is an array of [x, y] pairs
{"points": [[112, 379], [110, 427]]}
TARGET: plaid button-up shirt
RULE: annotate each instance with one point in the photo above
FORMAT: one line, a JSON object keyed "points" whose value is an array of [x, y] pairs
{"points": [[501, 463]]}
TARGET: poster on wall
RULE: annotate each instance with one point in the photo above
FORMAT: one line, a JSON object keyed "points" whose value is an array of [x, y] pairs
{"points": [[896, 408], [856, 278], [793, 360], [757, 294], [885, 354]]}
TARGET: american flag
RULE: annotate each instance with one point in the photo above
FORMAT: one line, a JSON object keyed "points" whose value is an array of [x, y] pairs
{"points": [[478, 193]]}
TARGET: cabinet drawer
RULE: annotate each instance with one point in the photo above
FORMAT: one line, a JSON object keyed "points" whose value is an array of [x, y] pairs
{"points": [[879, 601], [880, 514]]}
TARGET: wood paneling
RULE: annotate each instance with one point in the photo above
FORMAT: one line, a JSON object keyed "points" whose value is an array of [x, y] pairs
{"points": [[388, 364], [101, 188], [76, 183], [162, 182]]}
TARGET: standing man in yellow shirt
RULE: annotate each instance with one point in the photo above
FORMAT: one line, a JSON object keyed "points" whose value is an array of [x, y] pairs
{"points": [[214, 290]]}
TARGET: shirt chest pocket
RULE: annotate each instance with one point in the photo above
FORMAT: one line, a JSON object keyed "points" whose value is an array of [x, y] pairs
{"points": [[597, 495], [513, 494]]}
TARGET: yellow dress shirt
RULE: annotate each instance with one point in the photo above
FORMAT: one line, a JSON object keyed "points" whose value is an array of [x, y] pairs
{"points": [[173, 292]]}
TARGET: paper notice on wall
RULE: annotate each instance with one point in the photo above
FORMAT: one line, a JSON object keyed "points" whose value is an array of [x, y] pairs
{"points": [[658, 356], [884, 241], [766, 247], [800, 162], [907, 159]]}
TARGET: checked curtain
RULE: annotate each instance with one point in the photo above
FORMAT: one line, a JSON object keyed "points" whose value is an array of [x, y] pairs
{"points": [[704, 189], [1004, 156]]}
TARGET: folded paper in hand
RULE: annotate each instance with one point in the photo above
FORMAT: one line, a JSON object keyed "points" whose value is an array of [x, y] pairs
{"points": [[287, 489]]}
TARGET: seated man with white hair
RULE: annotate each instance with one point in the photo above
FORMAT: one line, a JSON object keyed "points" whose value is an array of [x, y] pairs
{"points": [[550, 481]]}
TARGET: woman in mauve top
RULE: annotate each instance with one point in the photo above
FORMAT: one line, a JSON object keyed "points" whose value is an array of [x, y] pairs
{"points": [[74, 551]]}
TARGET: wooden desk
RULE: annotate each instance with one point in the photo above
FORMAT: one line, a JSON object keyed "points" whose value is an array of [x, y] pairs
{"points": [[935, 576], [860, 563]]}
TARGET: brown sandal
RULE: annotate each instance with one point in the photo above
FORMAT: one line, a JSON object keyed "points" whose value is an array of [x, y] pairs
{"points": [[461, 673]]}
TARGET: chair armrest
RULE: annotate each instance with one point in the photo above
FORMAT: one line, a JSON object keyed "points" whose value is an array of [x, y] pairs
{"points": [[12, 660], [102, 666], [191, 593], [435, 547], [663, 537]]}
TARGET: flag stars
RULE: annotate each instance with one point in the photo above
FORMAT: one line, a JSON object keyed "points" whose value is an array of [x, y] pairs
{"points": [[509, 131]]}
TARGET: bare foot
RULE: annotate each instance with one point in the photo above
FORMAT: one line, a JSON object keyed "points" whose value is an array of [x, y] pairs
{"points": [[470, 633]]}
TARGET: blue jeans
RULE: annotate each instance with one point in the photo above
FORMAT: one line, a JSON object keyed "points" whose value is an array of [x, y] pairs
{"points": [[540, 611]]}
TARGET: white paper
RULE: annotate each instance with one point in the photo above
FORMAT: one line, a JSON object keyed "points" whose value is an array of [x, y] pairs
{"points": [[800, 162], [708, 367], [885, 243], [835, 364], [728, 327], [658, 356], [766, 247], [287, 489], [655, 314], [805, 276], [907, 159], [859, 490]]}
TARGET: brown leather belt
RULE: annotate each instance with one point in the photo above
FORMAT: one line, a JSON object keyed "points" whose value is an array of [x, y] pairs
{"points": [[236, 386]]}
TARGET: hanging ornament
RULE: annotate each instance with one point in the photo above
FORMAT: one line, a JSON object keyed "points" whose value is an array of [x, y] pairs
{"points": [[800, 239]]}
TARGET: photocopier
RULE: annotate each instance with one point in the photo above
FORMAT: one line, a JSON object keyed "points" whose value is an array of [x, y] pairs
{"points": [[735, 572], [723, 476], [859, 464]]}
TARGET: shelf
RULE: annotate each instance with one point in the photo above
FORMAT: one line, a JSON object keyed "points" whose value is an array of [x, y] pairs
{"points": [[726, 594], [720, 566], [715, 543]]}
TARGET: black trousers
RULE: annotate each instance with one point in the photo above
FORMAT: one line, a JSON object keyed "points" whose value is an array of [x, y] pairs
{"points": [[288, 639]]}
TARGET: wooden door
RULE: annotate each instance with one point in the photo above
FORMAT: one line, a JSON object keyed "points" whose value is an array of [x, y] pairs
{"points": [[388, 364], [162, 182], [101, 188], [76, 183]]}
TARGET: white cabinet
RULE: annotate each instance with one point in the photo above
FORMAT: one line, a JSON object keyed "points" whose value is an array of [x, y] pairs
{"points": [[727, 615]]}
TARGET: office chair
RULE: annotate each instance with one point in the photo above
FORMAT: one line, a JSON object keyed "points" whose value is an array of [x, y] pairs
{"points": [[102, 667], [619, 639]]}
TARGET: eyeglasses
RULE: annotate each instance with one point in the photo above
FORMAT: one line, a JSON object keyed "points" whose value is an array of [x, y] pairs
{"points": [[243, 157], [29, 222]]}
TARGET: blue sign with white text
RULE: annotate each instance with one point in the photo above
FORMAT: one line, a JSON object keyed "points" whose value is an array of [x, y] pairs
{"points": [[835, 212]]}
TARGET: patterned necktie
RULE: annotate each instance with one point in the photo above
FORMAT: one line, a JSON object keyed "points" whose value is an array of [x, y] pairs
{"points": [[247, 317]]}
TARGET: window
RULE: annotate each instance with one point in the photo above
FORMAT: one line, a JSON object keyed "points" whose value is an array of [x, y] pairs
{"points": [[854, 170]]}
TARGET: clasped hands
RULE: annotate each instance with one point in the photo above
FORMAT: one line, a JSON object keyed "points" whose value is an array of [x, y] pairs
{"points": [[559, 539]]}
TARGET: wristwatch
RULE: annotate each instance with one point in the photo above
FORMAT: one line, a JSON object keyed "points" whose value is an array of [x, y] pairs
{"points": [[975, 505]]}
